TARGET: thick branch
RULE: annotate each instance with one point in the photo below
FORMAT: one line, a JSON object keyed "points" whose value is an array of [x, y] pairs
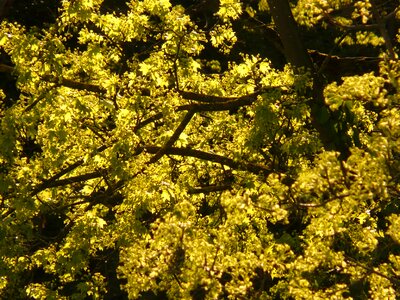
{"points": [[216, 103], [174, 136], [204, 98], [52, 181], [63, 81], [76, 85], [67, 181], [254, 168], [212, 103], [209, 189], [6, 69], [220, 106], [149, 120]]}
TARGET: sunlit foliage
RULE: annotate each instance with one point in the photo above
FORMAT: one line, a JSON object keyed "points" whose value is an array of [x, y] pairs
{"points": [[146, 156]]}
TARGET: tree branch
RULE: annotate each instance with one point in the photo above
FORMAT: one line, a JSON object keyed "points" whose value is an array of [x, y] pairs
{"points": [[209, 189], [364, 27], [254, 168], [174, 136], [76, 84], [52, 181], [226, 103], [213, 103], [63, 81], [149, 120], [220, 106], [354, 262], [216, 103], [6, 69], [204, 98]]}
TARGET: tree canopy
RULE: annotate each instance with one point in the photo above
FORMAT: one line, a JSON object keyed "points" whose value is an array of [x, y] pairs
{"points": [[200, 149]]}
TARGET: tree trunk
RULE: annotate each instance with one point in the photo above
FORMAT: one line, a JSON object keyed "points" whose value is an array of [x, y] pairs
{"points": [[5, 6], [295, 52], [332, 134]]}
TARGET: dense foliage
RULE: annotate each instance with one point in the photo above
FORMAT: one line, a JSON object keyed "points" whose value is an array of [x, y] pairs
{"points": [[200, 150]]}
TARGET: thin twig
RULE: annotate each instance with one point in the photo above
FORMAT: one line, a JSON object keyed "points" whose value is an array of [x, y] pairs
{"points": [[363, 27]]}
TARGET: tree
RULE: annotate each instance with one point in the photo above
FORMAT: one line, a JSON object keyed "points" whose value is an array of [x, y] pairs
{"points": [[201, 150]]}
